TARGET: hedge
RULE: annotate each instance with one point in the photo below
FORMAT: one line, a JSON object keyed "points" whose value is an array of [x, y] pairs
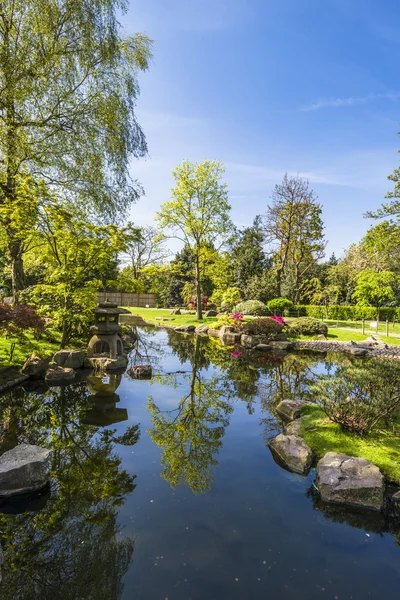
{"points": [[346, 313]]}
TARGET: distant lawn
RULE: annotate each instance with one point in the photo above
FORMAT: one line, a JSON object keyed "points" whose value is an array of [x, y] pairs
{"points": [[151, 314], [382, 448], [23, 347]]}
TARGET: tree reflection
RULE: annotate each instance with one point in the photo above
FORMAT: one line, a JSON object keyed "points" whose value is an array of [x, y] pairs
{"points": [[71, 548], [191, 435]]}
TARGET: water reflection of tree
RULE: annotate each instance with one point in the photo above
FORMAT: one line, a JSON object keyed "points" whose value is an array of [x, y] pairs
{"points": [[71, 548], [148, 349], [191, 435]]}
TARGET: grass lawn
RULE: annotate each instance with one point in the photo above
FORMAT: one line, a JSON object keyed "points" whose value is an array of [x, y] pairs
{"points": [[382, 448], [151, 314], [357, 325], [23, 347]]}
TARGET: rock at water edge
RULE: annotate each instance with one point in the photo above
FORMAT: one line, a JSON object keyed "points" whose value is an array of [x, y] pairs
{"points": [[344, 479], [293, 452], [290, 409], [24, 468]]}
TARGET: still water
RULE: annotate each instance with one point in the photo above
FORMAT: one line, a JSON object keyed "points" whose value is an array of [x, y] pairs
{"points": [[165, 489]]}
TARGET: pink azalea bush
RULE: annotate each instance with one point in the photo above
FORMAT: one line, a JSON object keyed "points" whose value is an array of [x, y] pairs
{"points": [[278, 319]]}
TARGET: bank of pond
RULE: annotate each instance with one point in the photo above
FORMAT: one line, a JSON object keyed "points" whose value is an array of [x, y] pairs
{"points": [[170, 486]]}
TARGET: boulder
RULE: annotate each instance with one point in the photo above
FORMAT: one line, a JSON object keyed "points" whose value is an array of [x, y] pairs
{"points": [[250, 341], [321, 337], [210, 313], [69, 359], [185, 328], [263, 347], [293, 452], [282, 345], [59, 375], [290, 409], [396, 497], [141, 371], [344, 479], [24, 468], [176, 311], [355, 351], [294, 427], [231, 339], [165, 319], [202, 329], [34, 366], [213, 332]]}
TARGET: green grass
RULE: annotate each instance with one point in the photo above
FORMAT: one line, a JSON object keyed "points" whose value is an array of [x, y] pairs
{"points": [[25, 346], [382, 448], [151, 314], [358, 325]]}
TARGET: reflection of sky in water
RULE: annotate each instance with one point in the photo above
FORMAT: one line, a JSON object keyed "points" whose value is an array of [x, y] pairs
{"points": [[259, 532]]}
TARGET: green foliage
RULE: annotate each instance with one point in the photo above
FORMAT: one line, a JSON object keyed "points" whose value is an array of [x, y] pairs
{"points": [[126, 282], [261, 287], [68, 88], [308, 326], [347, 313], [266, 327], [248, 256], [198, 213], [381, 447], [252, 308], [374, 289], [228, 299], [70, 248], [360, 399], [277, 306], [294, 228]]}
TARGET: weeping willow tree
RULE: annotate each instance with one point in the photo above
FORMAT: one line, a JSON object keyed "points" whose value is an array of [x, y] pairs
{"points": [[68, 87]]}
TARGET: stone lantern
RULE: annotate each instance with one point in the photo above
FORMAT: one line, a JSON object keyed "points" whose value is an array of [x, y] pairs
{"points": [[105, 347]]}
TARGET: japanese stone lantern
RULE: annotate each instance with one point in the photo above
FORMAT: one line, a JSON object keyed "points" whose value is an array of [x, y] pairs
{"points": [[106, 341]]}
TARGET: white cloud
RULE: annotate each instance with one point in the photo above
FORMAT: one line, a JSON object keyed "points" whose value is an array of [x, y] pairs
{"points": [[351, 100]]}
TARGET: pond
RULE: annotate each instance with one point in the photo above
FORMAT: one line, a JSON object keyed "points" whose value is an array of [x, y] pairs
{"points": [[166, 489]]}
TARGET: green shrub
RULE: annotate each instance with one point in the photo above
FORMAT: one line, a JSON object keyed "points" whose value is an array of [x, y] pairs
{"points": [[277, 306], [361, 399], [267, 327], [308, 326], [252, 307], [348, 313]]}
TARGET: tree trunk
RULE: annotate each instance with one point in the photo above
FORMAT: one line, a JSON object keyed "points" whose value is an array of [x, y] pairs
{"points": [[278, 282], [17, 268], [198, 290]]}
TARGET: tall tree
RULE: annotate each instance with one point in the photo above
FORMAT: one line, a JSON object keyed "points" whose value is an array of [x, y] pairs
{"points": [[248, 255], [145, 248], [294, 228], [198, 213], [68, 85]]}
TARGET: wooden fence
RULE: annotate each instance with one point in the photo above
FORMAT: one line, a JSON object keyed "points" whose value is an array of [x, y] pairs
{"points": [[128, 299]]}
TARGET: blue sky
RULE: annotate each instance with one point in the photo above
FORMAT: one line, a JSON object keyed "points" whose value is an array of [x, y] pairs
{"points": [[304, 86]]}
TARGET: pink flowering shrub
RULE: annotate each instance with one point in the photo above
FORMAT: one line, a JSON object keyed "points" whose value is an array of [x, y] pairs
{"points": [[278, 319]]}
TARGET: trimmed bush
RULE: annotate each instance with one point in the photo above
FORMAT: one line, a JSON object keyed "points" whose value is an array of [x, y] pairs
{"points": [[347, 313], [277, 306], [308, 326], [268, 327], [252, 307]]}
